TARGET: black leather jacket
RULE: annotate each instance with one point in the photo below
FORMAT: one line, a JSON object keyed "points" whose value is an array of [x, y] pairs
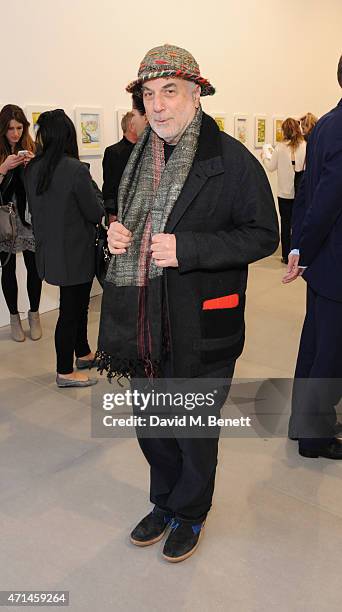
{"points": [[13, 184]]}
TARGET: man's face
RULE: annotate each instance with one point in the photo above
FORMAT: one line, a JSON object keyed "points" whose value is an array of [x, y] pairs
{"points": [[170, 106]]}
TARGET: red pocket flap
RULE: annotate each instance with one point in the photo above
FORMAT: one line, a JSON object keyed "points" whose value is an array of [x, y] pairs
{"points": [[227, 301]]}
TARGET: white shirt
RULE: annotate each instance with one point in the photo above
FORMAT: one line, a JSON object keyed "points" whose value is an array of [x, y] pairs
{"points": [[281, 161]]}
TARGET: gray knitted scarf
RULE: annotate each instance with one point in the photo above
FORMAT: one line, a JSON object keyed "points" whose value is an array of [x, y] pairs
{"points": [[148, 191], [133, 328]]}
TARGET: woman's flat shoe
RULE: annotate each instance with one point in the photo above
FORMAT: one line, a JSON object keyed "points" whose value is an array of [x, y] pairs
{"points": [[69, 382], [83, 364]]}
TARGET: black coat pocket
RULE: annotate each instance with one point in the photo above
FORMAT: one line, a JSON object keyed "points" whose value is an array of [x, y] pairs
{"points": [[222, 322], [222, 332]]}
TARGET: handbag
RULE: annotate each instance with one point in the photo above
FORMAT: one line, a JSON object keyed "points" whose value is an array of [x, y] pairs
{"points": [[102, 254], [8, 226]]}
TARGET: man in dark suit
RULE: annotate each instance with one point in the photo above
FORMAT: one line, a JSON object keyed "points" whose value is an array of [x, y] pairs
{"points": [[317, 256], [116, 156], [114, 161]]}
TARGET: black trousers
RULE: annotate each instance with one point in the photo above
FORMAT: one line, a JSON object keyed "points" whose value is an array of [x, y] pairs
{"points": [[71, 329], [9, 281], [285, 210], [317, 385], [183, 469]]}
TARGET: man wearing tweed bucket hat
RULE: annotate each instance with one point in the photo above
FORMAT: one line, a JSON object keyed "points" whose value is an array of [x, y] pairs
{"points": [[194, 209]]}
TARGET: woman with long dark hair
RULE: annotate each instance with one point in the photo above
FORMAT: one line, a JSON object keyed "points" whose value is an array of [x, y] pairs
{"points": [[288, 158], [15, 137], [66, 206]]}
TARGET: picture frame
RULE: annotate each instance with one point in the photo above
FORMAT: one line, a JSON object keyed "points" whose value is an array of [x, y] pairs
{"points": [[260, 126], [32, 112], [221, 120], [119, 114], [89, 129], [241, 128], [277, 131]]}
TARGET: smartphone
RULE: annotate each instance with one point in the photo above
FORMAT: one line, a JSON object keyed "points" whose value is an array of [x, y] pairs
{"points": [[22, 153]]}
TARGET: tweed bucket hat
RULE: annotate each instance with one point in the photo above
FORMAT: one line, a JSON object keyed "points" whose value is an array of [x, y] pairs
{"points": [[170, 61]]}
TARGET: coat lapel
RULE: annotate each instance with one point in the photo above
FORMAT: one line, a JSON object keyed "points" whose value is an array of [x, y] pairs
{"points": [[198, 176]]}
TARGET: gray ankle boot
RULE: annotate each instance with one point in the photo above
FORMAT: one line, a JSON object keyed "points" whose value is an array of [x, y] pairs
{"points": [[34, 323], [16, 329]]}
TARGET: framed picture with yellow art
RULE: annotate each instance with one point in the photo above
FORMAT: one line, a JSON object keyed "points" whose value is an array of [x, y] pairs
{"points": [[277, 131], [259, 131], [221, 121], [33, 111], [89, 129], [241, 128]]}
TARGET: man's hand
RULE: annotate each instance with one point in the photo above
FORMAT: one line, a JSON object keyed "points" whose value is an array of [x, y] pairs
{"points": [[292, 269], [119, 238], [164, 250]]}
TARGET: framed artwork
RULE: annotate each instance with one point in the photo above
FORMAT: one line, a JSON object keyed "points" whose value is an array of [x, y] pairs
{"points": [[241, 128], [33, 111], [89, 128], [221, 121], [119, 114], [277, 131], [259, 131]]}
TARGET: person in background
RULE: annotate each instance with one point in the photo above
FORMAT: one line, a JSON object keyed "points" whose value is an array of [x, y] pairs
{"points": [[114, 162], [139, 120], [307, 124], [316, 255], [116, 156], [65, 209], [288, 158], [15, 137]]}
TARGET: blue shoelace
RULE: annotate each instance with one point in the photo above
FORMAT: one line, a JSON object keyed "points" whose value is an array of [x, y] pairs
{"points": [[195, 528], [167, 518]]}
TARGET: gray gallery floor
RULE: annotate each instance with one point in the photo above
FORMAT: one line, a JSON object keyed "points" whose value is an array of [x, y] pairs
{"points": [[272, 541]]}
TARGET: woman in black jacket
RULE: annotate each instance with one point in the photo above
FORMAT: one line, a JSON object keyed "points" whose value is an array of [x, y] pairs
{"points": [[65, 209], [15, 138]]}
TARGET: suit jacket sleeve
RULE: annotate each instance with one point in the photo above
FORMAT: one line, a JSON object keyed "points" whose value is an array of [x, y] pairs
{"points": [[325, 207], [88, 199], [255, 233]]}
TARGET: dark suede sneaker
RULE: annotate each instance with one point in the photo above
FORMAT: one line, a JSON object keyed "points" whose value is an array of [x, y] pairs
{"points": [[182, 541], [151, 528]]}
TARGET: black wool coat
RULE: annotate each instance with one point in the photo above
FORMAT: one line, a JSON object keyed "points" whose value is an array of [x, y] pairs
{"points": [[64, 222], [224, 219]]}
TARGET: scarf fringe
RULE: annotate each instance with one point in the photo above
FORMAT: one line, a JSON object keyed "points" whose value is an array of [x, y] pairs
{"points": [[126, 368]]}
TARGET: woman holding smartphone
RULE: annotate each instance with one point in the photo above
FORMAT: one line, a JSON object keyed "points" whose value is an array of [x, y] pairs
{"points": [[66, 206], [16, 150]]}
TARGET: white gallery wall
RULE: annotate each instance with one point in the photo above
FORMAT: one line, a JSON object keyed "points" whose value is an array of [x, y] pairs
{"points": [[271, 57]]}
